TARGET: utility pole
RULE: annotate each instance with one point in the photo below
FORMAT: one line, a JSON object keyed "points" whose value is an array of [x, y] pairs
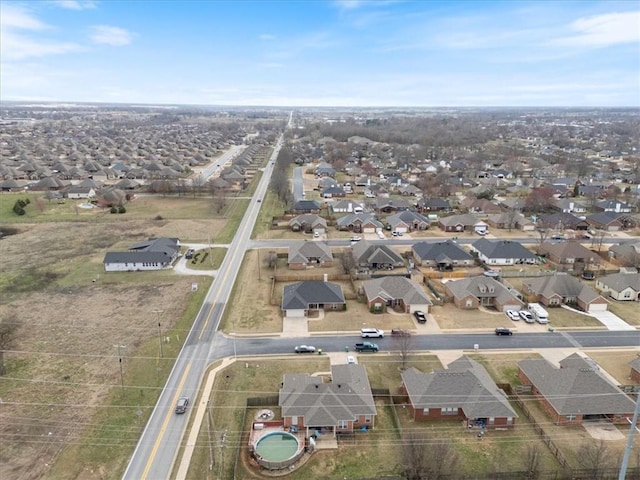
{"points": [[627, 450], [159, 312], [120, 361]]}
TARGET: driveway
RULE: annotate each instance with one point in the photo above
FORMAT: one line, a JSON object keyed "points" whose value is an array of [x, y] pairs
{"points": [[607, 318]]}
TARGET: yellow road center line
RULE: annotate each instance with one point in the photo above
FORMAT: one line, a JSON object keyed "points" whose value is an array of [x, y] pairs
{"points": [[165, 423]]}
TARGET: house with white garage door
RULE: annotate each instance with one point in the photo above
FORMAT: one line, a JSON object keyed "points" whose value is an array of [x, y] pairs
{"points": [[563, 289]]}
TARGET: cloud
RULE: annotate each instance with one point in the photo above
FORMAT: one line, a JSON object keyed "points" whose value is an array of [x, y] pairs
{"points": [[114, 36], [76, 4], [603, 30], [16, 17], [19, 36]]}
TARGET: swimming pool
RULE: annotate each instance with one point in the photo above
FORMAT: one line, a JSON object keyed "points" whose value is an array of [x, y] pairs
{"points": [[277, 446]]}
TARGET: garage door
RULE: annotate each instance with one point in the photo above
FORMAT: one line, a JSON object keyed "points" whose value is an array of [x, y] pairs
{"points": [[295, 313], [369, 230], [598, 307]]}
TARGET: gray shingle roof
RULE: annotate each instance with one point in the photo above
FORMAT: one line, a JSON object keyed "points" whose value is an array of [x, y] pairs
{"points": [[395, 287], [481, 287], [302, 294], [502, 249], [464, 384], [433, 251], [301, 252], [346, 397], [620, 281], [576, 388], [367, 254]]}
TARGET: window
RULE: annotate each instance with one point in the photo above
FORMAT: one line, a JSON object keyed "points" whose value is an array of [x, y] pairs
{"points": [[492, 420], [469, 303], [367, 419], [342, 424], [425, 411], [509, 420], [627, 294], [571, 418], [448, 411]]}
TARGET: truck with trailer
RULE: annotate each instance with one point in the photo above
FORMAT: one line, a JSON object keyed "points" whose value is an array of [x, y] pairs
{"points": [[366, 347]]}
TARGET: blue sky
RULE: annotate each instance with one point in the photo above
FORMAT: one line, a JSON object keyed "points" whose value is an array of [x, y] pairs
{"points": [[322, 53]]}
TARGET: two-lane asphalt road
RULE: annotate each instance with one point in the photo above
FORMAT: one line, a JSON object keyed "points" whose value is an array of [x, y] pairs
{"points": [[158, 446]]}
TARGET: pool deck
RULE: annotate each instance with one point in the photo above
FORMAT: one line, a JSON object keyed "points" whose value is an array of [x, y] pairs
{"points": [[323, 442]]}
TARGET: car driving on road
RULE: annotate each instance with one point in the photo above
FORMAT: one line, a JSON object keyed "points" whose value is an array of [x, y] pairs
{"points": [[305, 349], [181, 406], [503, 331]]}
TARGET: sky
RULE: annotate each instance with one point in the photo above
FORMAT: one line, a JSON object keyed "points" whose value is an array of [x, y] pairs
{"points": [[342, 53]]}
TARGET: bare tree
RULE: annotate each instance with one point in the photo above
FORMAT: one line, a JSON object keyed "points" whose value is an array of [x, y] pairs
{"points": [[219, 199], [543, 230], [404, 346], [531, 458], [272, 259], [9, 326], [596, 457], [348, 262], [424, 458], [511, 216]]}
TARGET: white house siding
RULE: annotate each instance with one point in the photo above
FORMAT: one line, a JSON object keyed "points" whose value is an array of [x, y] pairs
{"points": [[132, 267]]}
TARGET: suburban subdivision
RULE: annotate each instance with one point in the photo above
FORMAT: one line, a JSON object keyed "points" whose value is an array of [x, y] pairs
{"points": [[293, 293]]}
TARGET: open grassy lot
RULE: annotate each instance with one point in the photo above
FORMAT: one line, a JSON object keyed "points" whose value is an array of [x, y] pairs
{"points": [[65, 413], [628, 311], [615, 363]]}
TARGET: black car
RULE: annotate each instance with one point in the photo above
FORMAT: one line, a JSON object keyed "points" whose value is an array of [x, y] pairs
{"points": [[420, 316], [503, 331], [181, 406]]}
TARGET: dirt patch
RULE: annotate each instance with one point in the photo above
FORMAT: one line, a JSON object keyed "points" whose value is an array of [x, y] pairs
{"points": [[65, 363]]}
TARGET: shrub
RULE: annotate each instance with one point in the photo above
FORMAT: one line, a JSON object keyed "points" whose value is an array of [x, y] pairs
{"points": [[121, 209], [113, 209]]}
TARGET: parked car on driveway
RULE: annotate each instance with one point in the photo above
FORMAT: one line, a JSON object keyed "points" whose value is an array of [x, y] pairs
{"points": [[420, 316], [526, 316], [513, 315], [503, 331], [181, 406], [356, 238], [305, 349]]}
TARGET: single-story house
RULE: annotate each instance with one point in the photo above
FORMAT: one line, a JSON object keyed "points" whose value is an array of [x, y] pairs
{"points": [[620, 286], [441, 255], [342, 405], [471, 293], [575, 392], [563, 289], [607, 221], [626, 253], [395, 292], [407, 221], [153, 254], [464, 390], [503, 252], [299, 298], [308, 222], [458, 223], [305, 254], [79, 191], [375, 257], [568, 253], [388, 205], [359, 223], [306, 206]]}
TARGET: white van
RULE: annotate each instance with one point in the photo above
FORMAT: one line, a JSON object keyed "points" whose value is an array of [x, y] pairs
{"points": [[371, 333]]}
